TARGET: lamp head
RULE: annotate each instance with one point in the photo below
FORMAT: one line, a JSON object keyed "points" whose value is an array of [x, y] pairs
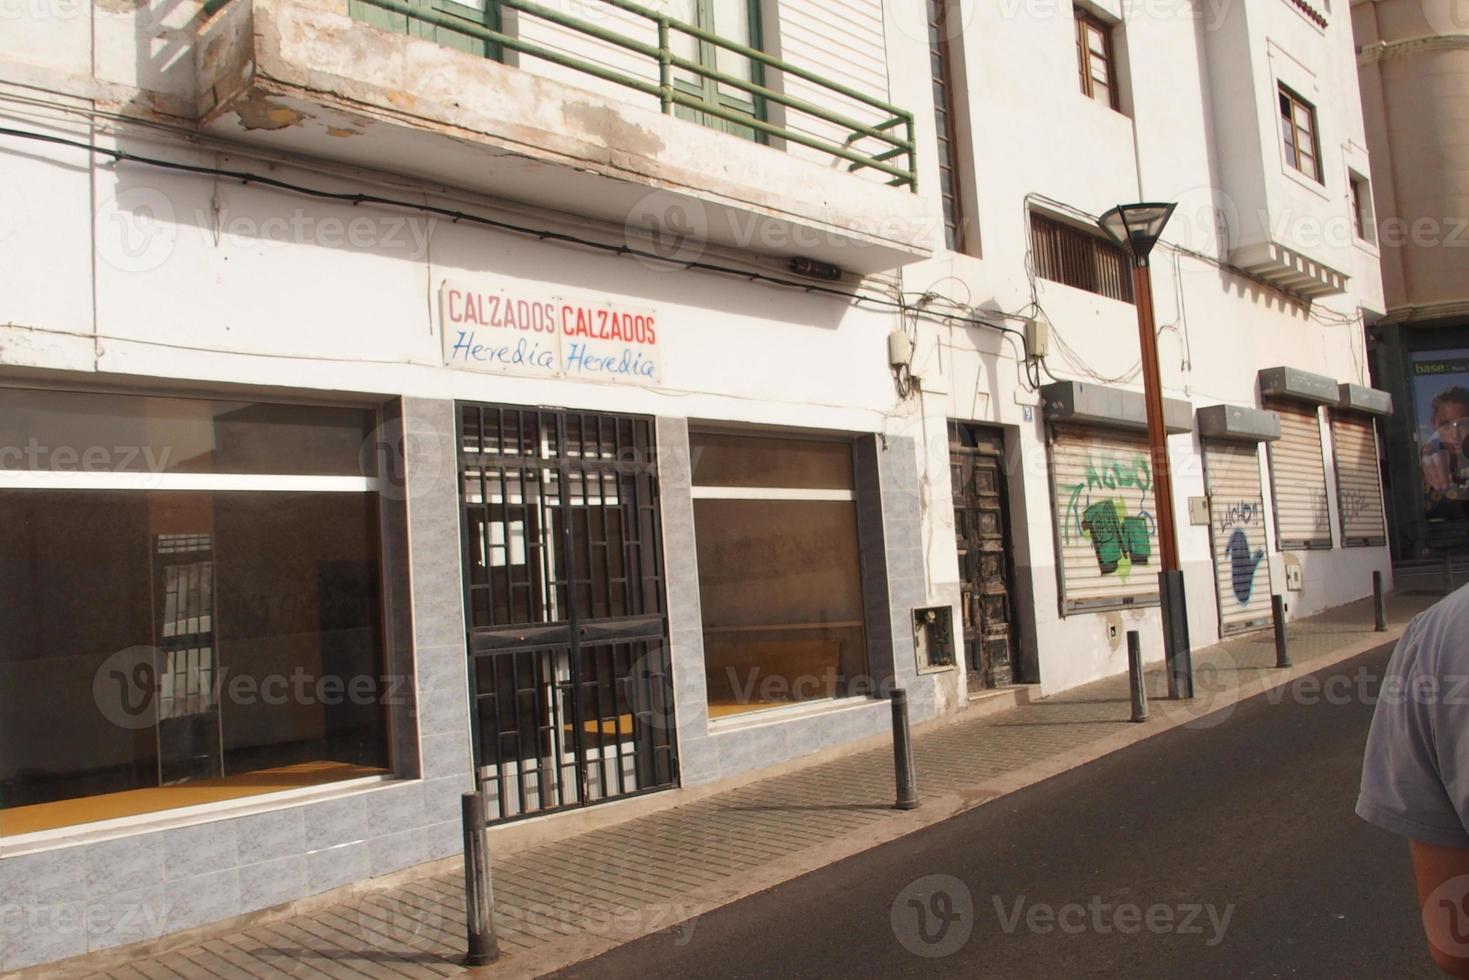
{"points": [[1136, 228]]}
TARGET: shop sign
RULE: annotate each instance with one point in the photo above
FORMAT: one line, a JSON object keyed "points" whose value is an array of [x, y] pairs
{"points": [[1441, 409], [549, 334]]}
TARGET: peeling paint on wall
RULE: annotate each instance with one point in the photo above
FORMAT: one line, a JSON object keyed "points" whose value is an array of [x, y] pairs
{"points": [[259, 112], [612, 130]]}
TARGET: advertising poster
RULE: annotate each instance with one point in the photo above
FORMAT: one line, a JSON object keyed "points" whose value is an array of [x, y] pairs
{"points": [[1441, 409]]}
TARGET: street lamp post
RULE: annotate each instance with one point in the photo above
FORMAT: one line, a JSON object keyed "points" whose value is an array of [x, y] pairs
{"points": [[1136, 228]]}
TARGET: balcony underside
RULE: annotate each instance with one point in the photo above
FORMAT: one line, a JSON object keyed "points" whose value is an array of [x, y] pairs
{"points": [[1289, 270], [305, 78]]}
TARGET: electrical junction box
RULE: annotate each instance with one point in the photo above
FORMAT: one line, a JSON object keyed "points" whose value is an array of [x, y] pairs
{"points": [[933, 636], [1198, 511], [900, 349], [1038, 336], [1293, 576]]}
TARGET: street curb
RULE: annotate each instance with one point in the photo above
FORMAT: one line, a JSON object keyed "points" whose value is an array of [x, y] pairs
{"points": [[934, 810]]}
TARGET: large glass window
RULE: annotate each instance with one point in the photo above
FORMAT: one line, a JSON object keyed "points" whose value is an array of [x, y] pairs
{"points": [[779, 571], [191, 607]]}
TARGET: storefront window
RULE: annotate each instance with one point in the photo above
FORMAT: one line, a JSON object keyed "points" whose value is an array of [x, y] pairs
{"points": [[165, 645], [779, 571]]}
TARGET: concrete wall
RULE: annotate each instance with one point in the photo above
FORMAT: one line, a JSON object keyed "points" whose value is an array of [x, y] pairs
{"points": [[1415, 90]]}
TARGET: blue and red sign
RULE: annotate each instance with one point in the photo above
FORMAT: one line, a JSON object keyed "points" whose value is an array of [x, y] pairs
{"points": [[517, 330]]}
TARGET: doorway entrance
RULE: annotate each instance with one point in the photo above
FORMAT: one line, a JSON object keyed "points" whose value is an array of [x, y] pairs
{"points": [[564, 598], [982, 537]]}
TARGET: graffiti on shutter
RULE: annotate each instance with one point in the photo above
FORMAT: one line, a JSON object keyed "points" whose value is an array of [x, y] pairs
{"points": [[1298, 479], [1237, 535], [1358, 481], [1107, 528]]}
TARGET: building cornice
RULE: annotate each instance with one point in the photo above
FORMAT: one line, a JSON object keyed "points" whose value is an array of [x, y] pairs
{"points": [[1404, 316], [1388, 50]]}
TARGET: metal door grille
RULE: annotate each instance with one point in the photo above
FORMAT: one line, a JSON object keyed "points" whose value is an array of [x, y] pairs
{"points": [[565, 603]]}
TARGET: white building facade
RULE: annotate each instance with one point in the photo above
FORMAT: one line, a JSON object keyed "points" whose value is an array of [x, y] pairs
{"points": [[570, 402]]}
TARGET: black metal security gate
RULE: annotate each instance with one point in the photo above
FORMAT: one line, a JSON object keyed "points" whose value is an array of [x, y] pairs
{"points": [[982, 536], [565, 605]]}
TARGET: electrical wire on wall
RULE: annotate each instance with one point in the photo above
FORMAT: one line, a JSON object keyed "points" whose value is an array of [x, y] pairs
{"points": [[909, 313]]}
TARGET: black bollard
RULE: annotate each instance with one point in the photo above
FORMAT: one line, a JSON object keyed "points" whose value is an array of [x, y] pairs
{"points": [[1177, 652], [1135, 675], [1282, 646], [479, 893], [1379, 602], [903, 753]]}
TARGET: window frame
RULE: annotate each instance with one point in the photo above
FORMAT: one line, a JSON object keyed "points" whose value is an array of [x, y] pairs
{"points": [[1289, 105], [1067, 239], [150, 481], [752, 493], [1359, 195], [1086, 21], [711, 92], [949, 100]]}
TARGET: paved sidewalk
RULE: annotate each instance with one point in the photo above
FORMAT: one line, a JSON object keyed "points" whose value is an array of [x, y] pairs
{"points": [[560, 902]]}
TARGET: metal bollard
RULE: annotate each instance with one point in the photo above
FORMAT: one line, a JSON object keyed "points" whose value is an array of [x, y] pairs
{"points": [[903, 753], [479, 893], [1282, 645], [1379, 602], [1135, 675], [1177, 651]]}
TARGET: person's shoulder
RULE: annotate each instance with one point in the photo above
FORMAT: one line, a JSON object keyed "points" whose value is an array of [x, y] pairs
{"points": [[1438, 634], [1451, 608]]}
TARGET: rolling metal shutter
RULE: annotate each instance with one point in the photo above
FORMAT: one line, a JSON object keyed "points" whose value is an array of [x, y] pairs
{"points": [[1358, 481], [1106, 525], [1298, 479], [1237, 532]]}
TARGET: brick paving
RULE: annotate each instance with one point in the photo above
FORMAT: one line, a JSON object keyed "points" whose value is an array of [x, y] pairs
{"points": [[621, 881]]}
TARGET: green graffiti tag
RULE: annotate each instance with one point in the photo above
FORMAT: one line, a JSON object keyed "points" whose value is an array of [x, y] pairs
{"points": [[1120, 474], [1119, 540]]}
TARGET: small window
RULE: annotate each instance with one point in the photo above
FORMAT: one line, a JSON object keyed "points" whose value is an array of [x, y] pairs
{"points": [[1095, 60], [950, 124], [1074, 257], [1362, 222], [1302, 141]]}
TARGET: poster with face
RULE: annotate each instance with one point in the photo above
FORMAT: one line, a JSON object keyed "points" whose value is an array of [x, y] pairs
{"points": [[1441, 408]]}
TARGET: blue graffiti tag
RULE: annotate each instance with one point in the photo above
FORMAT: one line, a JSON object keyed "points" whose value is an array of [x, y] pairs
{"points": [[1242, 565]]}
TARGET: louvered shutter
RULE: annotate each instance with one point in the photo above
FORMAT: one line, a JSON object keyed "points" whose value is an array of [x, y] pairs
{"points": [[1237, 533], [1298, 479], [1358, 481], [1107, 528]]}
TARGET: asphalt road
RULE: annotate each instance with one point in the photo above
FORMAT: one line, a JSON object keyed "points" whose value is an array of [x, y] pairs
{"points": [[1222, 851]]}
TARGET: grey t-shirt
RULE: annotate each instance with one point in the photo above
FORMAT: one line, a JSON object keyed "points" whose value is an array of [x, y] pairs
{"points": [[1415, 776]]}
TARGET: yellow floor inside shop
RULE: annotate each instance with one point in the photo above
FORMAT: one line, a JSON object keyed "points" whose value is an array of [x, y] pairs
{"points": [[131, 803], [718, 708]]}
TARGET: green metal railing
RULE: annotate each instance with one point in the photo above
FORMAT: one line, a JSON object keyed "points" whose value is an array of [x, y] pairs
{"points": [[891, 131]]}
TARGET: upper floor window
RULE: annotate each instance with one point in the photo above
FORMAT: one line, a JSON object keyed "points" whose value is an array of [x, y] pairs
{"points": [[1077, 258], [734, 20], [950, 123], [1302, 141], [1095, 59], [1361, 191]]}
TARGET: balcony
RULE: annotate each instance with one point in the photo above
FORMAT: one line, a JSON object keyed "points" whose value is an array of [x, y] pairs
{"points": [[588, 117]]}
